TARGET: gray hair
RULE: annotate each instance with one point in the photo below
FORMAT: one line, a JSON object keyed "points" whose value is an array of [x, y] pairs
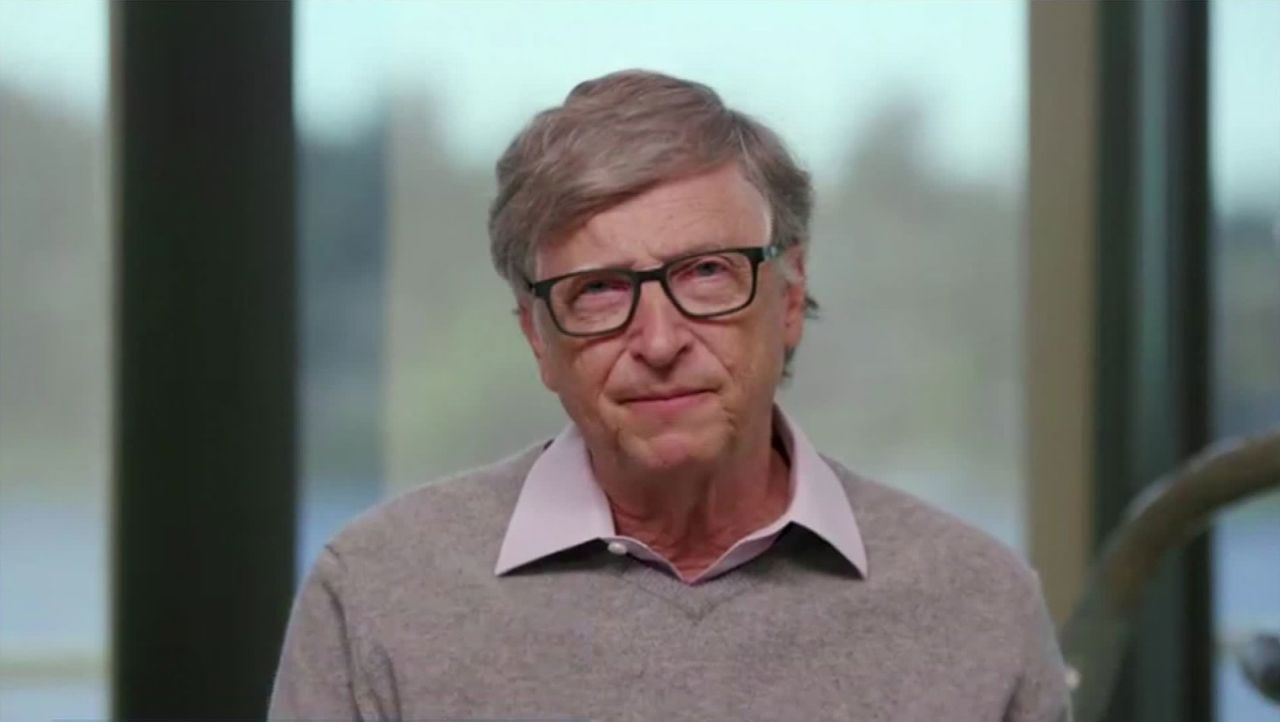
{"points": [[619, 135]]}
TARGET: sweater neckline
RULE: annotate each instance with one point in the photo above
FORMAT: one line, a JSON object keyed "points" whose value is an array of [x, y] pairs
{"points": [[701, 598]]}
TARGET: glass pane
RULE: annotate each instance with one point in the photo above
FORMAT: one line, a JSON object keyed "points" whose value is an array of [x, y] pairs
{"points": [[55, 366], [342, 198], [1245, 156], [911, 376]]}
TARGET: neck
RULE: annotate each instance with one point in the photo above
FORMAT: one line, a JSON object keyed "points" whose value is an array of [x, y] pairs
{"points": [[693, 516]]}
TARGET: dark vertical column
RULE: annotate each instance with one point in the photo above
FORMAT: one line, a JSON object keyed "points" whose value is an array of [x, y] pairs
{"points": [[204, 491], [1190, 209], [1153, 327], [1117, 258]]}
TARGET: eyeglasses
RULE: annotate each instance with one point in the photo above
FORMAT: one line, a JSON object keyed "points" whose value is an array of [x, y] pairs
{"points": [[702, 285]]}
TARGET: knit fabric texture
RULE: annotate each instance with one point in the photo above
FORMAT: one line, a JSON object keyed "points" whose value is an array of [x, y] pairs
{"points": [[403, 618]]}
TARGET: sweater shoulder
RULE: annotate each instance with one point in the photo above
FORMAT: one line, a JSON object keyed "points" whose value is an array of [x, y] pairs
{"points": [[906, 534], [456, 511]]}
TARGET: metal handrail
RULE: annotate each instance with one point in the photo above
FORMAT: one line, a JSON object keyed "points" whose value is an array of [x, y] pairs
{"points": [[1164, 518]]}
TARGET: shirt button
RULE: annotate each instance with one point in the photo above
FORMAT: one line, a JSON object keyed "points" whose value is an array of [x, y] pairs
{"points": [[618, 548]]}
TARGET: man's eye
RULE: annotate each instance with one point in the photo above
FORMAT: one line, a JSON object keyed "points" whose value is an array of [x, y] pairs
{"points": [[708, 268], [598, 288], [602, 285]]}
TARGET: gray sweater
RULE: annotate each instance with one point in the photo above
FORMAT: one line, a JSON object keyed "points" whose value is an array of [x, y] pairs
{"points": [[403, 618]]}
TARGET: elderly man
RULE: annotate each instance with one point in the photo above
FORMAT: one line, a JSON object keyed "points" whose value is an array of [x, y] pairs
{"points": [[680, 551]]}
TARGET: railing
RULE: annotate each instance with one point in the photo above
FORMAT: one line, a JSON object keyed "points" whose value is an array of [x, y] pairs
{"points": [[1158, 522]]}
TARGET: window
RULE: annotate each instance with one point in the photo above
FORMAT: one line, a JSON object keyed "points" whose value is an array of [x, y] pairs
{"points": [[912, 375], [1244, 132], [55, 369]]}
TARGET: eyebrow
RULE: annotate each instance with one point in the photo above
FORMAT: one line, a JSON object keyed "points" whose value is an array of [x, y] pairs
{"points": [[702, 247]]}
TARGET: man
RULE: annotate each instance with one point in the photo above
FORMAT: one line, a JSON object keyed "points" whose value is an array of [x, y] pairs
{"points": [[680, 551]]}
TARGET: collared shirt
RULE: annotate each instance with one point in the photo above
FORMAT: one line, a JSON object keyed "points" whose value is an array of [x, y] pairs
{"points": [[561, 505]]}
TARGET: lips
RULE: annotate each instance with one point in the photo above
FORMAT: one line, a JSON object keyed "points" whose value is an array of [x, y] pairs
{"points": [[667, 406], [663, 395]]}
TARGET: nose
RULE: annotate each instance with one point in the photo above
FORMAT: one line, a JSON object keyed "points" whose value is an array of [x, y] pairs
{"points": [[658, 334]]}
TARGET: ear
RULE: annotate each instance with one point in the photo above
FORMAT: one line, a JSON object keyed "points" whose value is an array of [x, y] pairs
{"points": [[525, 310], [794, 295]]}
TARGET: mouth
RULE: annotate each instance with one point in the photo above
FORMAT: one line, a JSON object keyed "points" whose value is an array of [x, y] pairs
{"points": [[667, 403]]}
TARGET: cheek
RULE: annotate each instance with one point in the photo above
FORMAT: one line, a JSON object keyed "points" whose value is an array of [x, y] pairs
{"points": [[752, 348], [582, 370], [742, 358]]}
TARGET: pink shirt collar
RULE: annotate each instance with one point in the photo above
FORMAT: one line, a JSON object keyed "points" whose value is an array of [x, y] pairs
{"points": [[561, 506]]}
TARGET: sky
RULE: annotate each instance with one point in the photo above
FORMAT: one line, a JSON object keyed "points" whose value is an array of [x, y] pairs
{"points": [[815, 70]]}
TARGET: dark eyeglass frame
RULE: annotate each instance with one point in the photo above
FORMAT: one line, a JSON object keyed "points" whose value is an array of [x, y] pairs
{"points": [[755, 254]]}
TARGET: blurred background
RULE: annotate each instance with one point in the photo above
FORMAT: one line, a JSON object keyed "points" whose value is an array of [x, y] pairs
{"points": [[920, 122]]}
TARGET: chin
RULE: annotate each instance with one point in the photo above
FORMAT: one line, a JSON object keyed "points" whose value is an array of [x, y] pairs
{"points": [[674, 448]]}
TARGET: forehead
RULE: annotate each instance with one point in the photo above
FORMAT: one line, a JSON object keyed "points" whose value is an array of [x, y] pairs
{"points": [[717, 209]]}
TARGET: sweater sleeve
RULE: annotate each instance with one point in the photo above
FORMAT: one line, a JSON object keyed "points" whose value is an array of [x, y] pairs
{"points": [[1041, 693], [316, 676]]}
